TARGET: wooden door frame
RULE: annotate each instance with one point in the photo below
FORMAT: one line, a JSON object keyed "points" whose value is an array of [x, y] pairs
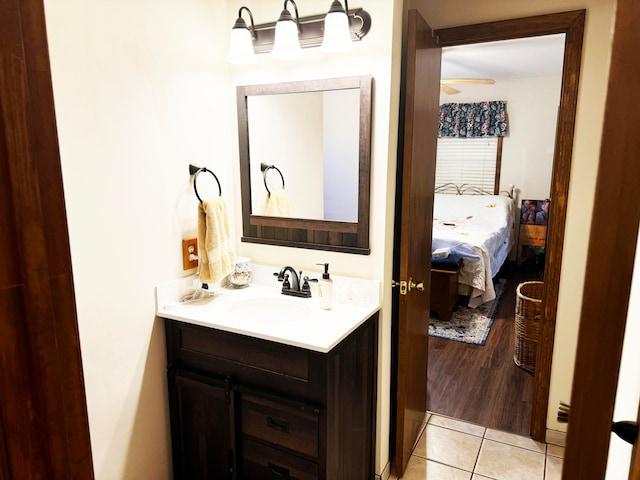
{"points": [[572, 25], [610, 260]]}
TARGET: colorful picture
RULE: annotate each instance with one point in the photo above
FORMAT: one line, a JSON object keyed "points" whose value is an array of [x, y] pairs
{"points": [[535, 212]]}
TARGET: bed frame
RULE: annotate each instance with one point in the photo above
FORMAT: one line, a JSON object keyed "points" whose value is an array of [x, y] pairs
{"points": [[444, 290], [467, 189]]}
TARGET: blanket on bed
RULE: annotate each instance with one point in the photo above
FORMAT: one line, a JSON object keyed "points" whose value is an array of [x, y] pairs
{"points": [[479, 228]]}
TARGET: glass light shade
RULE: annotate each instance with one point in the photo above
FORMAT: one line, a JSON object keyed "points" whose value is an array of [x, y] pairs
{"points": [[241, 47], [287, 44], [336, 33]]}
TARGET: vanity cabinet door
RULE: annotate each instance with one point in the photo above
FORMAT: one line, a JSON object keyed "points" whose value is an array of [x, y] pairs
{"points": [[202, 428]]}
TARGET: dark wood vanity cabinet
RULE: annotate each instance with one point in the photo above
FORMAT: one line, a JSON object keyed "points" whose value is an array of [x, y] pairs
{"points": [[246, 408]]}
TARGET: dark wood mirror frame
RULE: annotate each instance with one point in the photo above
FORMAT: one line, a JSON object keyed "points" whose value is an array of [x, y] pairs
{"points": [[298, 232]]}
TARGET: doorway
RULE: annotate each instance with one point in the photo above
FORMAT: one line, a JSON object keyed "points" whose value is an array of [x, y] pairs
{"points": [[572, 25], [526, 73]]}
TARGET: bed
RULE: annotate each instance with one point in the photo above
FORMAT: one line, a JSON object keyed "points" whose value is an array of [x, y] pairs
{"points": [[480, 229]]}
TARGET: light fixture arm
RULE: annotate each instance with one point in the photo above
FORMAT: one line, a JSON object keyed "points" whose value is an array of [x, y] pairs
{"points": [[240, 23], [295, 9], [336, 7], [346, 10]]}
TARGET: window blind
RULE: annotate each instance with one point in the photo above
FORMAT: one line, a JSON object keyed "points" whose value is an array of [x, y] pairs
{"points": [[468, 161]]}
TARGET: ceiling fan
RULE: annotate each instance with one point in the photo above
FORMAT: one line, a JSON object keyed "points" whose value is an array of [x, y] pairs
{"points": [[445, 82]]}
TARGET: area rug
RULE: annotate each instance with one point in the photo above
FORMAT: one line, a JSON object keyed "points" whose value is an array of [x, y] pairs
{"points": [[469, 325]]}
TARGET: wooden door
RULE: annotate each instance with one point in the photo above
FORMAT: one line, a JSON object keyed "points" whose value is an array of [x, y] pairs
{"points": [[416, 171], [43, 413], [612, 248], [5, 472]]}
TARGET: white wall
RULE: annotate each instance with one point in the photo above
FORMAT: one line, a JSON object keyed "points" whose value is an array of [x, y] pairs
{"points": [[141, 90]]}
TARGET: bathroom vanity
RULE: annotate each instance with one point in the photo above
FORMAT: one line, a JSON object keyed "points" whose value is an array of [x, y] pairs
{"points": [[295, 400]]}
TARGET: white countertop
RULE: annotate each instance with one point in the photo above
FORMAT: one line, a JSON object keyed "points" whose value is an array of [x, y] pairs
{"points": [[261, 311]]}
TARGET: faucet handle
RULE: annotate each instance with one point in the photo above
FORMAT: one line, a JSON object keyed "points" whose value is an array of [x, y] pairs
{"points": [[285, 282]]}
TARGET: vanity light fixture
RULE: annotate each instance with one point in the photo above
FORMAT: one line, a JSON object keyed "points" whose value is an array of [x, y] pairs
{"points": [[241, 40], [337, 37], [287, 45], [312, 31]]}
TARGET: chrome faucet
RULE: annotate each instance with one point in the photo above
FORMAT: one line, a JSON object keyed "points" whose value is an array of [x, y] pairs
{"points": [[292, 283]]}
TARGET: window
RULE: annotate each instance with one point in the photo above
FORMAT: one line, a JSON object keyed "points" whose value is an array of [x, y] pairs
{"points": [[471, 162]]}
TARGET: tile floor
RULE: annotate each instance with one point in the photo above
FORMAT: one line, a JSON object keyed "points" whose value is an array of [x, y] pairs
{"points": [[450, 449]]}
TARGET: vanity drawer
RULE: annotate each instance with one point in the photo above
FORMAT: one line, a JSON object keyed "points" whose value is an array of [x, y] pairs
{"points": [[249, 352], [252, 361], [294, 427], [261, 461]]}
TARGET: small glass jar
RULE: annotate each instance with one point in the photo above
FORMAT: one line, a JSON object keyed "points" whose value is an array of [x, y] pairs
{"points": [[242, 274]]}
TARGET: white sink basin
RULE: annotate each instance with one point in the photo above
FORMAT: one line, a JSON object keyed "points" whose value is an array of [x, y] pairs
{"points": [[271, 309]]}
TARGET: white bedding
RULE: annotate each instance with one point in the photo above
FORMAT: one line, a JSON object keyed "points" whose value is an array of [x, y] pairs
{"points": [[479, 228]]}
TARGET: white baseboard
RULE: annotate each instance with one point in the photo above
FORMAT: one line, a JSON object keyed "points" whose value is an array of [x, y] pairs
{"points": [[555, 437], [386, 472]]}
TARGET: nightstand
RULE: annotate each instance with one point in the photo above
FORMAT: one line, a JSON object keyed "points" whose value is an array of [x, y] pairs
{"points": [[533, 236]]}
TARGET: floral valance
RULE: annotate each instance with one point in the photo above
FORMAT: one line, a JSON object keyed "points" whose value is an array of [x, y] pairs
{"points": [[483, 119]]}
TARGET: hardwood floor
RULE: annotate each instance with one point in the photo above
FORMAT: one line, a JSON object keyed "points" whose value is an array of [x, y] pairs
{"points": [[482, 384]]}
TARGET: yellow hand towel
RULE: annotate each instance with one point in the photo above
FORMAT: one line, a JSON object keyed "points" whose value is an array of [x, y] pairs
{"points": [[277, 204], [217, 257]]}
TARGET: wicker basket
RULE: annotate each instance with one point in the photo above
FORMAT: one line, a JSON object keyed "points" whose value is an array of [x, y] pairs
{"points": [[527, 324]]}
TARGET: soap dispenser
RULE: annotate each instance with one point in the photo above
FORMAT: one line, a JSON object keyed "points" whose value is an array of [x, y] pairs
{"points": [[325, 288]]}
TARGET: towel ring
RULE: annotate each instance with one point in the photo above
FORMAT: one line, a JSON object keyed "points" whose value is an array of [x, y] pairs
{"points": [[193, 170], [265, 168]]}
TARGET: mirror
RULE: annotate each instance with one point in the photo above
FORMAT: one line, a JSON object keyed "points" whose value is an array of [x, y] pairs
{"points": [[305, 163], [329, 138]]}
